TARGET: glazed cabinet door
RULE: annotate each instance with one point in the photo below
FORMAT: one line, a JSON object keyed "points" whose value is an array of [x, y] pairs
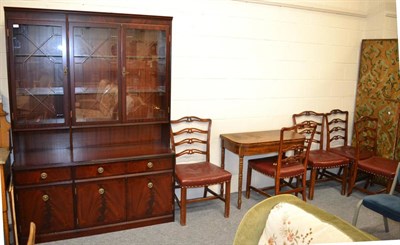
{"points": [[38, 73], [145, 72], [100, 202], [94, 64], [149, 196], [50, 207]]}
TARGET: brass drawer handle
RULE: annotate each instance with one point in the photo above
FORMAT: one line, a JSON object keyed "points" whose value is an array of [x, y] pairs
{"points": [[150, 185], [43, 175], [45, 198], [100, 170], [101, 191], [150, 164]]}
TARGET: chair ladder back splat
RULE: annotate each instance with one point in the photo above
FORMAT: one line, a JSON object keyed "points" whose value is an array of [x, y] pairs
{"points": [[191, 140], [337, 128], [367, 134], [318, 119]]}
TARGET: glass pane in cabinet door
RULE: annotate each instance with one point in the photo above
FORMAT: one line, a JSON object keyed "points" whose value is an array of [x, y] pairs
{"points": [[95, 76], [38, 74], [145, 74]]}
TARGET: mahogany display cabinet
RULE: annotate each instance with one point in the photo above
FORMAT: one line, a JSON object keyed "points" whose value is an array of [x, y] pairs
{"points": [[90, 116]]}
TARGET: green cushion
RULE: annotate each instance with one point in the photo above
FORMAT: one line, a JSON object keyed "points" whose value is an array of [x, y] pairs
{"points": [[253, 222]]}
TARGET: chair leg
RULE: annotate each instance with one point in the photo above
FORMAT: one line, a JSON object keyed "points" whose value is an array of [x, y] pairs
{"points": [[221, 190], [183, 205], [357, 211], [312, 183], [352, 180], [389, 185], [277, 186], [304, 186], [227, 198], [297, 185], [344, 179], [248, 182], [385, 223]]}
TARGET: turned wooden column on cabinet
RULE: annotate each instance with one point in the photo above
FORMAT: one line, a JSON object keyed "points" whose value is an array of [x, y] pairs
{"points": [[90, 115], [378, 92]]}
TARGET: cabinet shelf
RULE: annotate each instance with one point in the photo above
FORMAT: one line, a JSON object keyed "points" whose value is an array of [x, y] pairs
{"points": [[38, 55], [138, 91], [43, 91], [146, 58], [96, 56]]}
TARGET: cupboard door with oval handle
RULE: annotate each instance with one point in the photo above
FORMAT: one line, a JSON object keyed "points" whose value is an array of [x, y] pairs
{"points": [[149, 196], [100, 202]]}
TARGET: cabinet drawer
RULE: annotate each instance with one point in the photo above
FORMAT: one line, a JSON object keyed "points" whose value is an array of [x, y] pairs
{"points": [[42, 176], [149, 165], [99, 170]]}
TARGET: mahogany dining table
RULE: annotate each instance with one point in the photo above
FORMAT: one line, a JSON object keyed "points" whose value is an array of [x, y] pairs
{"points": [[254, 143]]}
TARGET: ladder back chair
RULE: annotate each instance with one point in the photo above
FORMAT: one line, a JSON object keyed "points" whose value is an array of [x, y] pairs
{"points": [[322, 162], [291, 162], [337, 123], [190, 139], [378, 169]]}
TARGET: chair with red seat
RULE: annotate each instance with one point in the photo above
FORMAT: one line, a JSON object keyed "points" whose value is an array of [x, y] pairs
{"points": [[320, 161], [337, 122], [291, 162], [190, 139], [381, 170]]}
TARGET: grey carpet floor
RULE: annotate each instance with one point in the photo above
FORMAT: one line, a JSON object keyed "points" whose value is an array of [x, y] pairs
{"points": [[207, 225]]}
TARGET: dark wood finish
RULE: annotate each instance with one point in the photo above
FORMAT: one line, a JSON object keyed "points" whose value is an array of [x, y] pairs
{"points": [[190, 138], [99, 202], [254, 143], [291, 162], [42, 176], [149, 165], [90, 116], [149, 196], [51, 207], [99, 170]]}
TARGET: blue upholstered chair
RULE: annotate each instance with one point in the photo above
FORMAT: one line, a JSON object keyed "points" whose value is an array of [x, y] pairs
{"points": [[388, 205]]}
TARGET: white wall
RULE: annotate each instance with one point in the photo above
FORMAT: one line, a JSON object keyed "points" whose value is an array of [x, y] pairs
{"points": [[250, 66]]}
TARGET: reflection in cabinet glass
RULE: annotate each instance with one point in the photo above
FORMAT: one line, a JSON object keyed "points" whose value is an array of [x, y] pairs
{"points": [[95, 77], [145, 74], [38, 58]]}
